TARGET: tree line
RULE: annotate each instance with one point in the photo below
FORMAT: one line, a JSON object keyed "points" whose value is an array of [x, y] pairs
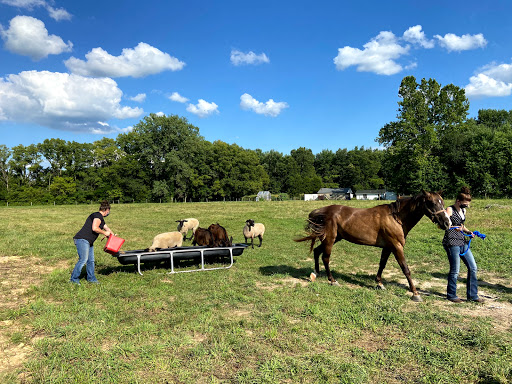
{"points": [[431, 145]]}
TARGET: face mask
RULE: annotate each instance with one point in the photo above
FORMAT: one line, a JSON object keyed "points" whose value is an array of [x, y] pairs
{"points": [[463, 206], [107, 214]]}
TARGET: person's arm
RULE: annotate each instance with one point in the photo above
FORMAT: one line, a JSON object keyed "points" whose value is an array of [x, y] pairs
{"points": [[108, 229], [96, 227]]}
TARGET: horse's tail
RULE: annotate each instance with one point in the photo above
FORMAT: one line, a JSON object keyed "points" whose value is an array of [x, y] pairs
{"points": [[315, 226]]}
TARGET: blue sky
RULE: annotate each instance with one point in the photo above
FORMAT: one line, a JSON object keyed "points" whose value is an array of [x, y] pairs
{"points": [[269, 74]]}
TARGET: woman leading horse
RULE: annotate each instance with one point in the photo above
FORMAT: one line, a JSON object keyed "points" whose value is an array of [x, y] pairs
{"points": [[385, 226]]}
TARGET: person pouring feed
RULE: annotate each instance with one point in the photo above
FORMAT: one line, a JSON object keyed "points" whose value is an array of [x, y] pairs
{"points": [[457, 249], [84, 240]]}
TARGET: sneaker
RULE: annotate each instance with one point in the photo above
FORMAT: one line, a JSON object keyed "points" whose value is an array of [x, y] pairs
{"points": [[93, 281], [479, 300], [74, 282], [456, 300]]}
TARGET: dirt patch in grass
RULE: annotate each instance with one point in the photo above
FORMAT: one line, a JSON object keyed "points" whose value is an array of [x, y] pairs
{"points": [[281, 283], [18, 275]]}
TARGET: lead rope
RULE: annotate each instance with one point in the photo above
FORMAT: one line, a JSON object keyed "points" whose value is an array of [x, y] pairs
{"points": [[476, 233]]}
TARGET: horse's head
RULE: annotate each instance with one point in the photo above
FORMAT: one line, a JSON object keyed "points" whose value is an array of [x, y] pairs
{"points": [[434, 209]]}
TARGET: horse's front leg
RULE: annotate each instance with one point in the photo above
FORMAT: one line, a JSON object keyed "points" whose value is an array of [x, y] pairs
{"points": [[400, 257], [383, 261]]}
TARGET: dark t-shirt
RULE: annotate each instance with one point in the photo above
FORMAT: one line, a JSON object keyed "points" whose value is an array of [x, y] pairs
{"points": [[86, 232]]}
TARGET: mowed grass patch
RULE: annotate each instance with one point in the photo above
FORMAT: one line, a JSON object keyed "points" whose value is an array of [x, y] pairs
{"points": [[261, 321]]}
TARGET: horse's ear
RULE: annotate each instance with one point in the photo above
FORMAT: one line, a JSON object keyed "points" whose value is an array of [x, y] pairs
{"points": [[425, 193], [440, 192]]}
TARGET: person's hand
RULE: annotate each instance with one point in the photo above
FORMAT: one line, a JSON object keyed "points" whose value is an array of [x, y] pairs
{"points": [[108, 233]]}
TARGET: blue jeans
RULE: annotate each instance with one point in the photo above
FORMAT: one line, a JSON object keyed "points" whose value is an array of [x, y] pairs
{"points": [[454, 257], [85, 257]]}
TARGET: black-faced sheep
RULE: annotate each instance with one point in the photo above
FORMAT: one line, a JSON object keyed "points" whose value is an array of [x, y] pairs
{"points": [[252, 230], [220, 236], [203, 236], [166, 240], [186, 225]]}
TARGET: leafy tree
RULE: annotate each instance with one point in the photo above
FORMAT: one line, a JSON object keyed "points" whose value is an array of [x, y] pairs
{"points": [[63, 189], [427, 112], [5, 154], [163, 146]]}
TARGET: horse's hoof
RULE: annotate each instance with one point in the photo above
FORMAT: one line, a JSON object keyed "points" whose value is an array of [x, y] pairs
{"points": [[335, 283], [380, 287], [416, 298], [312, 277]]}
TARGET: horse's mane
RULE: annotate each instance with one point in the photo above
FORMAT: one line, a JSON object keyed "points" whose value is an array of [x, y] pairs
{"points": [[403, 203]]}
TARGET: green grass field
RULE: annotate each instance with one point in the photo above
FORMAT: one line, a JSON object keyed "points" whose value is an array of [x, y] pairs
{"points": [[261, 321]]}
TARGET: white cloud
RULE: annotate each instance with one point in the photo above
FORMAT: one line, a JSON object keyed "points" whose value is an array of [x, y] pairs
{"points": [[203, 108], [56, 14], [502, 72], [29, 37], [270, 108], [63, 101], [178, 98], [461, 43], [27, 4], [482, 85], [378, 55], [241, 58], [139, 98], [415, 35], [143, 60], [160, 114]]}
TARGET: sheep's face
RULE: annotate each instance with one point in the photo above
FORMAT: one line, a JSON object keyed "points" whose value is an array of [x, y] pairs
{"points": [[250, 223], [180, 224]]}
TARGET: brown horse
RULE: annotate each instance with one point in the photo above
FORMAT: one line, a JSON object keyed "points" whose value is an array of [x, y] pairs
{"points": [[385, 226]]}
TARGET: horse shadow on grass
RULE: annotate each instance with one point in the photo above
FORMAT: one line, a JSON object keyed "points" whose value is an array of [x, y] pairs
{"points": [[361, 279]]}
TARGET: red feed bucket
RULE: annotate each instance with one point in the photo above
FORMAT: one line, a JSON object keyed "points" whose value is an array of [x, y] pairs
{"points": [[113, 244]]}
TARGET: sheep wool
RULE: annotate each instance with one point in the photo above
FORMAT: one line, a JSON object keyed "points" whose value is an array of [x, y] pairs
{"points": [[252, 230], [166, 240], [186, 225]]}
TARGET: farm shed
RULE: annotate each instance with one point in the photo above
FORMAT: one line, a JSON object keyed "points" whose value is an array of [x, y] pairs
{"points": [[263, 195]]}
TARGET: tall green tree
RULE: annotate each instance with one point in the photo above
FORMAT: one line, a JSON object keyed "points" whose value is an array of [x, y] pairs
{"points": [[427, 112], [163, 146]]}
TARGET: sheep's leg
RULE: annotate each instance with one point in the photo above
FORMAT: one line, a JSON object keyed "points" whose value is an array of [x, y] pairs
{"points": [[252, 242], [261, 240]]}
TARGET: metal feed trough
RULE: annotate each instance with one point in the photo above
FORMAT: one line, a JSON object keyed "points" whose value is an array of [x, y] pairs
{"points": [[181, 253]]}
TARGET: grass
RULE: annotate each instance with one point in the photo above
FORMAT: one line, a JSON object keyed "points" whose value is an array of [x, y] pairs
{"points": [[261, 321]]}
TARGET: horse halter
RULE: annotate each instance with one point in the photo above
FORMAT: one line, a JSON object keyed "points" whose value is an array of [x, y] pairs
{"points": [[435, 213]]}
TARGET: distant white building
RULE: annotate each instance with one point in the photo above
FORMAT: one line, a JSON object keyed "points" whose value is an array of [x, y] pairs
{"points": [[335, 193], [375, 194]]}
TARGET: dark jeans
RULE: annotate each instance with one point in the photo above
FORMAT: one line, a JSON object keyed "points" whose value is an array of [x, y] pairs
{"points": [[468, 259]]}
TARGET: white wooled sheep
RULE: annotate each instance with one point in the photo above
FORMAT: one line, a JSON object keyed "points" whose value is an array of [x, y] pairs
{"points": [[166, 240], [186, 225], [252, 230]]}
